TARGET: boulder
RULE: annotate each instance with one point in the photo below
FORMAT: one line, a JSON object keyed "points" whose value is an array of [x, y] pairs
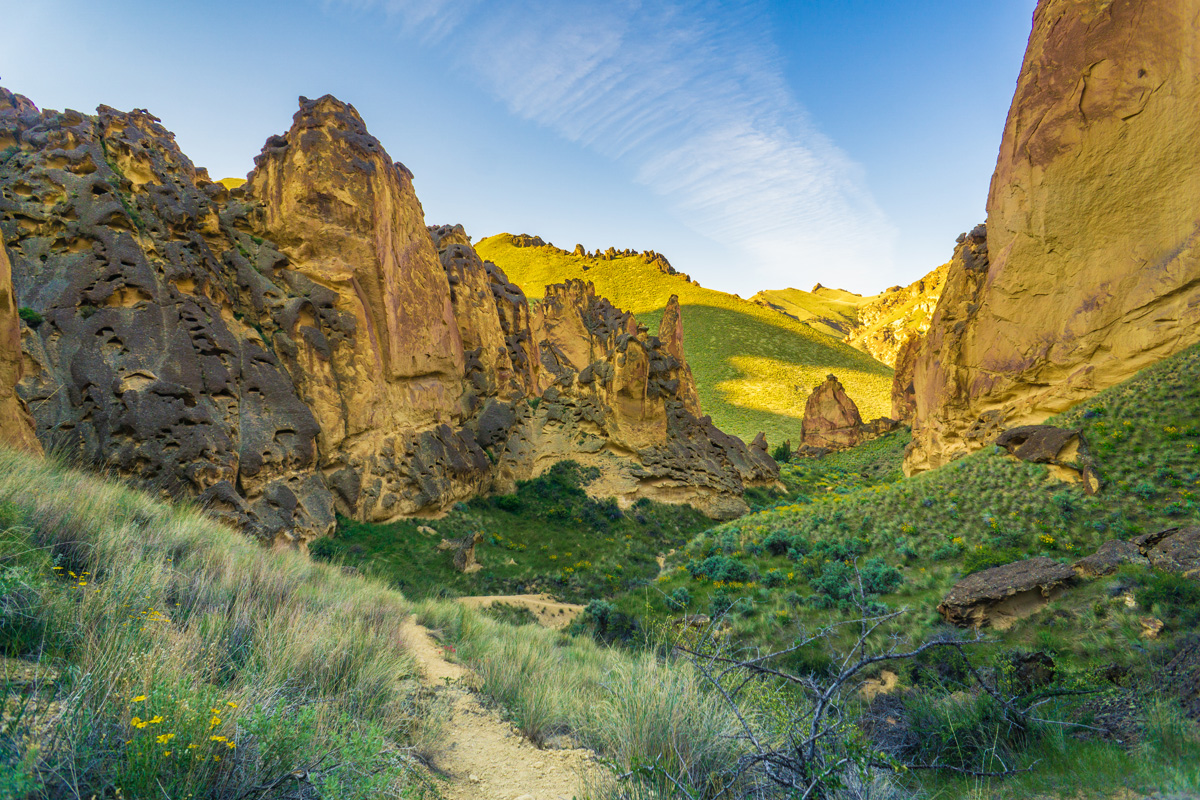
{"points": [[1001, 595], [831, 418], [1173, 550], [1064, 450], [1108, 558], [1092, 267]]}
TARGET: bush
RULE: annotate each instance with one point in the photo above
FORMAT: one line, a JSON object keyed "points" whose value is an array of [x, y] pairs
{"points": [[679, 599], [782, 453], [721, 568], [778, 542], [608, 624], [720, 602], [509, 502], [985, 557], [961, 730], [29, 316]]}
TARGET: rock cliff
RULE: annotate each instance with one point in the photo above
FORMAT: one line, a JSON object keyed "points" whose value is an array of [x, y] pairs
{"points": [[1093, 231], [831, 418], [303, 344], [16, 426]]}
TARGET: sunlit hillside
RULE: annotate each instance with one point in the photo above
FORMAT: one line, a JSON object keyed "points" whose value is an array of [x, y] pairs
{"points": [[754, 366], [831, 311]]}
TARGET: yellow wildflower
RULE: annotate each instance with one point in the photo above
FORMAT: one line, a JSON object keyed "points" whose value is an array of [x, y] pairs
{"points": [[139, 698]]}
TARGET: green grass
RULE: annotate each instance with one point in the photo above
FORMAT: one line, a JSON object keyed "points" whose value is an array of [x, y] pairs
{"points": [[547, 537], [754, 367]]}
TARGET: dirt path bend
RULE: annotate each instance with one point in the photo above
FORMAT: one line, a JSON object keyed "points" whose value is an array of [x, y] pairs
{"points": [[549, 612], [485, 757]]}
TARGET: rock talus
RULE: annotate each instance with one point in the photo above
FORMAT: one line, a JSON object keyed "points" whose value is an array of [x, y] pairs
{"points": [[1093, 229]]}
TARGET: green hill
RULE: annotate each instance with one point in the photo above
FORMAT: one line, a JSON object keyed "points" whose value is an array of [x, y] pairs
{"points": [[831, 311], [754, 367]]}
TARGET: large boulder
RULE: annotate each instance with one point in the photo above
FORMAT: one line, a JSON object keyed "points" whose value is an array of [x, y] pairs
{"points": [[1092, 267], [831, 418], [1173, 550], [999, 596], [1063, 450]]}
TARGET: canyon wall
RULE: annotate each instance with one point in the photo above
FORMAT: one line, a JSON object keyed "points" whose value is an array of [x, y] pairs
{"points": [[304, 345], [1093, 231]]}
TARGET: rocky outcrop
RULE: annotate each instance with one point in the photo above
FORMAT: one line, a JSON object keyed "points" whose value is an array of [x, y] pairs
{"points": [[1093, 229], [1108, 559], [1173, 550], [831, 418], [999, 596], [16, 425], [303, 344], [670, 332], [896, 316], [1063, 450]]}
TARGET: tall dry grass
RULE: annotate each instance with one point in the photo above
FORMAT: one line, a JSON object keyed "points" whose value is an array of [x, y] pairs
{"points": [[189, 659]]}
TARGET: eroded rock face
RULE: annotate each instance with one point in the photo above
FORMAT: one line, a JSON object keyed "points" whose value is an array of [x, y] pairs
{"points": [[896, 316], [670, 332], [304, 344], [1001, 595], [904, 399], [831, 418], [16, 425], [1093, 228]]}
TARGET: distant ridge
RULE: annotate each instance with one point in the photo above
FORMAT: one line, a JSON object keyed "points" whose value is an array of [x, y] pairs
{"points": [[754, 367]]}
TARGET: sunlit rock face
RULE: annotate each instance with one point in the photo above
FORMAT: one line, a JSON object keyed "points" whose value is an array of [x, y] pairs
{"points": [[1093, 230], [16, 425], [304, 345]]}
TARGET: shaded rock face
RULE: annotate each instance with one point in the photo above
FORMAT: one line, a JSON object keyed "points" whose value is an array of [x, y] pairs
{"points": [[304, 344], [1001, 595], [1093, 227], [1173, 550], [831, 418], [904, 398], [16, 425]]}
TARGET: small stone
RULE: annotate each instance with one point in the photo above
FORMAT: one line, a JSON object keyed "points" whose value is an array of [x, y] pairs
{"points": [[473, 778]]}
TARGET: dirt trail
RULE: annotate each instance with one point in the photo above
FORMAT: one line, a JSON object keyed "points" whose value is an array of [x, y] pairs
{"points": [[485, 757], [549, 612]]}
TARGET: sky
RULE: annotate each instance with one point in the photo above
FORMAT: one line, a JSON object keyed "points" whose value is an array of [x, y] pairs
{"points": [[758, 144]]}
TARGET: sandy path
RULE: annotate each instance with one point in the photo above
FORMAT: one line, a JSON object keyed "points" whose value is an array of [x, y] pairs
{"points": [[549, 612], [484, 756]]}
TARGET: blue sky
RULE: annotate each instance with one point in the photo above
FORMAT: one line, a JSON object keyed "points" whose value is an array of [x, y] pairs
{"points": [[757, 144]]}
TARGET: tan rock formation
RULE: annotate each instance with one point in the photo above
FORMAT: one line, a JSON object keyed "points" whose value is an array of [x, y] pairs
{"points": [[16, 426], [670, 332], [1093, 228], [889, 320], [304, 344], [831, 418], [904, 398]]}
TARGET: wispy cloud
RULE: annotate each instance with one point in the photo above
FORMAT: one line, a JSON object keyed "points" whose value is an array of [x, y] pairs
{"points": [[690, 96]]}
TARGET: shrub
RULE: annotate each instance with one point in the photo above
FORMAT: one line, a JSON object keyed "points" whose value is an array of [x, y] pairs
{"points": [[679, 599], [720, 602], [773, 578], [509, 502], [29, 316], [721, 568], [608, 624], [782, 453], [985, 557], [778, 542], [961, 730]]}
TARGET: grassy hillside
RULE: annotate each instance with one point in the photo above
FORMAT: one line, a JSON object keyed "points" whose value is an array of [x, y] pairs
{"points": [[754, 367], [791, 563], [830, 311]]}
